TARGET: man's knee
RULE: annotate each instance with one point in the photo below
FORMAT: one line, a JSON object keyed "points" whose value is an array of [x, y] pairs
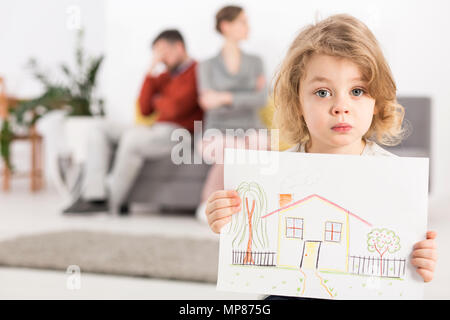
{"points": [[131, 140]]}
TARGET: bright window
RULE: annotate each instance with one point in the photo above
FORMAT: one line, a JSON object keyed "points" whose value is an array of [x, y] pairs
{"points": [[294, 228], [333, 231]]}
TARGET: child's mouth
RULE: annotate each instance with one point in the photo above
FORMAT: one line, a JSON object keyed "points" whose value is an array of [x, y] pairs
{"points": [[342, 128]]}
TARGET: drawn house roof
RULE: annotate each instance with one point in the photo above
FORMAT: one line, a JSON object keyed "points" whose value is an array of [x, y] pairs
{"points": [[298, 202]]}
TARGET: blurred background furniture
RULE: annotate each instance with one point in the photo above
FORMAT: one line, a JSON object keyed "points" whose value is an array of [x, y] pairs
{"points": [[169, 186], [165, 185], [36, 176], [418, 121]]}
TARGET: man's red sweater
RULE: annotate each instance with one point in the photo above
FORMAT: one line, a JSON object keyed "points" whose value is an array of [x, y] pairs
{"points": [[173, 97]]}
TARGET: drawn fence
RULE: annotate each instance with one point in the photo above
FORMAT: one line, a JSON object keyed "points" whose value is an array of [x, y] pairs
{"points": [[393, 268], [265, 259]]}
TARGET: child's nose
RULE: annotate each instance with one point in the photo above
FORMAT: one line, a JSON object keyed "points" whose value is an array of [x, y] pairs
{"points": [[339, 109]]}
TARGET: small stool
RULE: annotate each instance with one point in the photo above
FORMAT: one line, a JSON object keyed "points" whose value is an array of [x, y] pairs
{"points": [[36, 172]]}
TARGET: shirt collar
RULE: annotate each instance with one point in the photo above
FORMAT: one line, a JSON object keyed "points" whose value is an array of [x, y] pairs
{"points": [[367, 148], [182, 67]]}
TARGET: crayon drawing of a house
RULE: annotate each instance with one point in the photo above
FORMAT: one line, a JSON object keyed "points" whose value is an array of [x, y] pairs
{"points": [[313, 233]]}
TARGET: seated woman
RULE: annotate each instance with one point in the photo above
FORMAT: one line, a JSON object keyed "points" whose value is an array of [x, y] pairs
{"points": [[232, 89]]}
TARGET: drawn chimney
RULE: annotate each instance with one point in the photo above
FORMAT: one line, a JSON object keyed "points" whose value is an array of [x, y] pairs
{"points": [[285, 198]]}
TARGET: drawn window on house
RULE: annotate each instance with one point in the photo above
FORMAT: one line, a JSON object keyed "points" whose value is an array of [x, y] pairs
{"points": [[294, 228], [333, 231]]}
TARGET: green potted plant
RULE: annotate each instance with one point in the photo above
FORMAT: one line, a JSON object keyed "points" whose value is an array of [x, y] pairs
{"points": [[76, 94]]}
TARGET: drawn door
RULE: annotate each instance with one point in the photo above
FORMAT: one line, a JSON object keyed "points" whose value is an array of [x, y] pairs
{"points": [[310, 256]]}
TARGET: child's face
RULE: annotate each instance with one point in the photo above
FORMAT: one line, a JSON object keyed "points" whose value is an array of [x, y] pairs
{"points": [[337, 109]]}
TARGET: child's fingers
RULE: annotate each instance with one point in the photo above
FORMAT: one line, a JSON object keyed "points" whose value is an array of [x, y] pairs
{"points": [[427, 275], [222, 203], [217, 225], [222, 214], [425, 244], [425, 253], [423, 263], [431, 235], [222, 194], [220, 206]]}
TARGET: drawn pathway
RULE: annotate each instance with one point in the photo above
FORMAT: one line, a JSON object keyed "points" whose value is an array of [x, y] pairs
{"points": [[313, 283]]}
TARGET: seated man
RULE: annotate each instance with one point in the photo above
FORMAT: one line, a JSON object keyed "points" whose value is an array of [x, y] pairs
{"points": [[172, 97]]}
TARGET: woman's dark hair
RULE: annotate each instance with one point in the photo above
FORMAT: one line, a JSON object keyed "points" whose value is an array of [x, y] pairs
{"points": [[171, 35], [228, 13]]}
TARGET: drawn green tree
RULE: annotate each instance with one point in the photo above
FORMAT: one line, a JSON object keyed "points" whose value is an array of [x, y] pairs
{"points": [[382, 241], [249, 221]]}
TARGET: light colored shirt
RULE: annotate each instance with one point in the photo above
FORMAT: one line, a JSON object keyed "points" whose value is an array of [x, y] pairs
{"points": [[370, 149]]}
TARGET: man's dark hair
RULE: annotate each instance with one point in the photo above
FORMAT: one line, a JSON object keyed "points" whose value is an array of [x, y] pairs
{"points": [[171, 35]]}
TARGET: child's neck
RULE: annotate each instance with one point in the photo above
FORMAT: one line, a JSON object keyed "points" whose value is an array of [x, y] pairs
{"points": [[356, 148]]}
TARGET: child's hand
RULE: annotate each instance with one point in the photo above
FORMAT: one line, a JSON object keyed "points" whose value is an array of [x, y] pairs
{"points": [[221, 205], [424, 256]]}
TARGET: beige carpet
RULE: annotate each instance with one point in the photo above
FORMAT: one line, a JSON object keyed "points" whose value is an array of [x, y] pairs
{"points": [[114, 253]]}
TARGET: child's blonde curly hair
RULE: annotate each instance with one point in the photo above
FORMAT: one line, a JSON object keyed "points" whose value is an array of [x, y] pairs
{"points": [[341, 36]]}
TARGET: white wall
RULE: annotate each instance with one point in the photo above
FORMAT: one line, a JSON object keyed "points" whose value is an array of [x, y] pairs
{"points": [[413, 35], [45, 30]]}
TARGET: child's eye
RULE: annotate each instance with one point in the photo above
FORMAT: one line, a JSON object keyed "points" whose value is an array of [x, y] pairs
{"points": [[322, 93], [357, 92]]}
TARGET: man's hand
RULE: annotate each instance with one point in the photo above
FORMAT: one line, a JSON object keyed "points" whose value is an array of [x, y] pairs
{"points": [[157, 57]]}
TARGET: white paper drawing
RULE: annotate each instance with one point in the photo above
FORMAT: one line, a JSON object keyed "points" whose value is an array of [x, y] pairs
{"points": [[344, 236]]}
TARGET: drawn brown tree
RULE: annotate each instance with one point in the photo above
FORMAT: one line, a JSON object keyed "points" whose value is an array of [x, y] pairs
{"points": [[383, 241], [249, 224]]}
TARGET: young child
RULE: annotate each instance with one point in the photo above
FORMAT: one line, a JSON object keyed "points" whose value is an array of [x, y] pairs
{"points": [[334, 94]]}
